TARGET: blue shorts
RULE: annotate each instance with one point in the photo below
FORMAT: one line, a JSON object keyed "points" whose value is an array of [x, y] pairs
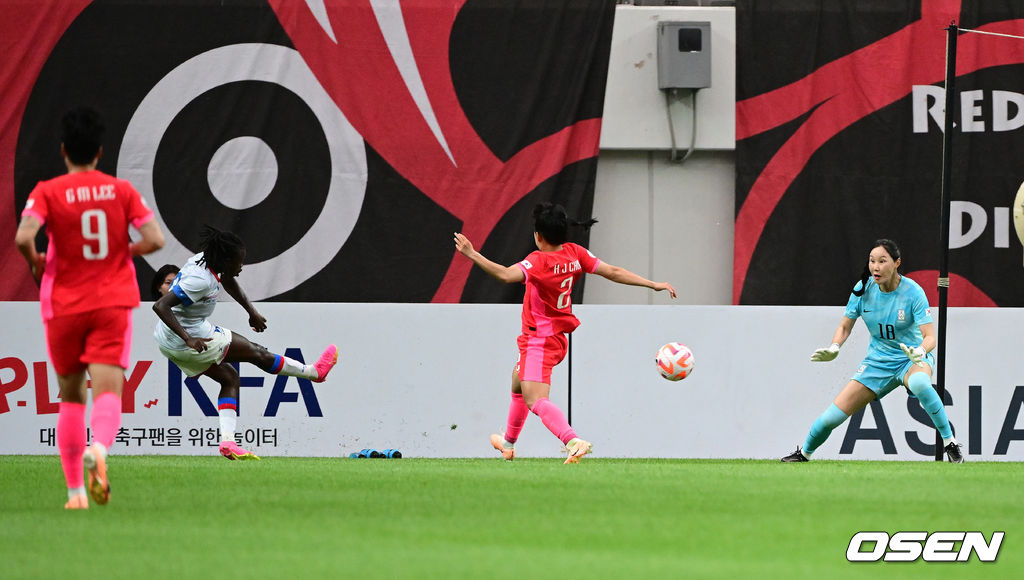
{"points": [[881, 377]]}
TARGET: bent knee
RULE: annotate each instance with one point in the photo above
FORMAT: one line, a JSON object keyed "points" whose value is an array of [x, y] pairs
{"points": [[918, 382]]}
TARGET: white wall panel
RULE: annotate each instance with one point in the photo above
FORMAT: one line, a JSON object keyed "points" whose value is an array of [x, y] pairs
{"points": [[635, 115], [432, 381]]}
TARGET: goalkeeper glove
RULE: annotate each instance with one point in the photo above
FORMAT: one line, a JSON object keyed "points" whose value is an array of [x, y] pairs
{"points": [[915, 354], [826, 354]]}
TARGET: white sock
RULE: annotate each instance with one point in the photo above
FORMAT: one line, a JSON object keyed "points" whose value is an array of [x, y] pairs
{"points": [[806, 454], [101, 448], [946, 441], [73, 491], [228, 420], [293, 368]]}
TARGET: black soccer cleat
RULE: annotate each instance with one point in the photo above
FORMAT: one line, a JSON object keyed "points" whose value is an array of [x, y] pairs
{"points": [[797, 457], [953, 453]]}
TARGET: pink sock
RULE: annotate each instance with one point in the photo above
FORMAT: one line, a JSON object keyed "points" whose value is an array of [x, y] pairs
{"points": [[71, 441], [517, 412], [553, 419], [105, 420]]}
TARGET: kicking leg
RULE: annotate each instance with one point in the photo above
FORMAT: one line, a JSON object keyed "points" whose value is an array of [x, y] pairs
{"points": [[536, 397], [244, 350]]}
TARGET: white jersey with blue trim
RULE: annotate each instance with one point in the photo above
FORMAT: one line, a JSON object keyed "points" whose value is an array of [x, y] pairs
{"points": [[891, 317], [197, 288]]}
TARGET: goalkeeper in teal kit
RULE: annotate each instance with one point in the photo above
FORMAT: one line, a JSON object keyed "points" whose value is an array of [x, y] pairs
{"points": [[895, 311]]}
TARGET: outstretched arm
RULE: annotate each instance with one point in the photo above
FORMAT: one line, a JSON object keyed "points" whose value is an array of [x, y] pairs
{"points": [[624, 276], [838, 338], [843, 331], [256, 320], [507, 274]]}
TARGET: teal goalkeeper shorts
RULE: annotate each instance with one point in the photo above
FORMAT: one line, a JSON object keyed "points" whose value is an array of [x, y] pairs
{"points": [[882, 377]]}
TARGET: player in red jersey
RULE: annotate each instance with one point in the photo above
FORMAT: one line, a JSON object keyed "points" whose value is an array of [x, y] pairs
{"points": [[549, 274], [86, 294]]}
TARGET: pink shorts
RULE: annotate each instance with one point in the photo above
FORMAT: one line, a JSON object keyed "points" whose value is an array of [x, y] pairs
{"points": [[538, 355], [102, 336]]}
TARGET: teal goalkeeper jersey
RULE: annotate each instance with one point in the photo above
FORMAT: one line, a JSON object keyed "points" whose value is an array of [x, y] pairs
{"points": [[891, 317]]}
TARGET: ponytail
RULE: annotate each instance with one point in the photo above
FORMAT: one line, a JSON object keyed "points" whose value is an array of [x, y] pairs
{"points": [[863, 282], [585, 225], [552, 223]]}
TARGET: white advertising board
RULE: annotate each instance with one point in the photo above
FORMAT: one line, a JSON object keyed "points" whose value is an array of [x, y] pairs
{"points": [[433, 380]]}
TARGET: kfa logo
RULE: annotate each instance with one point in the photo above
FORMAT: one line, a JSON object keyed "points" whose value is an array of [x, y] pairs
{"points": [[279, 393], [934, 547]]}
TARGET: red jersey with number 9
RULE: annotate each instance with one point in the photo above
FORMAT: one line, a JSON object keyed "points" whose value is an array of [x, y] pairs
{"points": [[550, 277], [88, 259]]}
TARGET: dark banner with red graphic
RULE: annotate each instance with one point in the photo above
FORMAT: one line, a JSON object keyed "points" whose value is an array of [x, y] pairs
{"points": [[344, 140], [839, 143]]}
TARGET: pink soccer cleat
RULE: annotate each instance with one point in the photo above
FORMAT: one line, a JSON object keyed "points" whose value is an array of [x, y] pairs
{"points": [[232, 451], [325, 363], [95, 460], [498, 442]]}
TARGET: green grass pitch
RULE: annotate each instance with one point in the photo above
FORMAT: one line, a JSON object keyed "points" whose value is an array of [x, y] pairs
{"points": [[204, 517]]}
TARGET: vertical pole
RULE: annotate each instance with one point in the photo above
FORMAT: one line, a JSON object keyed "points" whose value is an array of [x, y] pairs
{"points": [[947, 170], [568, 403]]}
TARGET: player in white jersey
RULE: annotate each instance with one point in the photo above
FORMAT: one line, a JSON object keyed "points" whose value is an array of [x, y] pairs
{"points": [[895, 310], [186, 336]]}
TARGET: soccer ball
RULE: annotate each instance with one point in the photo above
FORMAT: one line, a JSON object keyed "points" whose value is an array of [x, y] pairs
{"points": [[675, 361]]}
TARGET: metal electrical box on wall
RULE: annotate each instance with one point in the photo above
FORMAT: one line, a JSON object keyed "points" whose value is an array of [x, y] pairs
{"points": [[684, 55]]}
